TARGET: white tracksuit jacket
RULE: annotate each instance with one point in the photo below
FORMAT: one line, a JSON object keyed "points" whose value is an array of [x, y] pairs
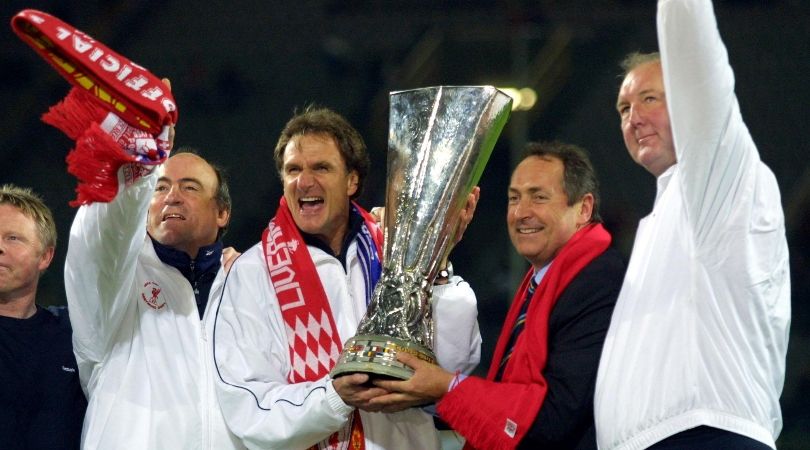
{"points": [[141, 353], [252, 359], [700, 330]]}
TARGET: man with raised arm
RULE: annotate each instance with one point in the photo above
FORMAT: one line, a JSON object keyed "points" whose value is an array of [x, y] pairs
{"points": [[138, 275], [695, 355]]}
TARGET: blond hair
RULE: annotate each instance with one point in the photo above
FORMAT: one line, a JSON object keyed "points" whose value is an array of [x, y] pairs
{"points": [[635, 59], [32, 206]]}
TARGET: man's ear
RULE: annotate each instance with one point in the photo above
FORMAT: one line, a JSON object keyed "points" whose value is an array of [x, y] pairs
{"points": [[45, 259], [223, 217], [354, 181], [585, 209]]}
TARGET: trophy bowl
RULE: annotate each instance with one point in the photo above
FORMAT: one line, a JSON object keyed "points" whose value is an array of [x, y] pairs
{"points": [[440, 139]]}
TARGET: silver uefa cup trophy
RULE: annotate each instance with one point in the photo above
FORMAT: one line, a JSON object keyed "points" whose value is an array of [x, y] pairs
{"points": [[440, 139]]}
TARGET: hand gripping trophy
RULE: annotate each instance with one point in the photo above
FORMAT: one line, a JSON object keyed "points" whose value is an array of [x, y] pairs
{"points": [[440, 139]]}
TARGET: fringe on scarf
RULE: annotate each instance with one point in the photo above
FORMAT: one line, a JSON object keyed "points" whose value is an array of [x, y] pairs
{"points": [[74, 114], [95, 162], [97, 156]]}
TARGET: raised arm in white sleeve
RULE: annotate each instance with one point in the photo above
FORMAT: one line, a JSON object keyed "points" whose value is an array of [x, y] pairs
{"points": [[103, 248], [714, 149]]}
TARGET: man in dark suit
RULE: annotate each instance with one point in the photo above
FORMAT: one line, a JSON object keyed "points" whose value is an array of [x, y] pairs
{"points": [[539, 389]]}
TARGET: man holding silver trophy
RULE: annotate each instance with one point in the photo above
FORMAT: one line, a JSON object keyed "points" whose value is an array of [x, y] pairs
{"points": [[290, 302], [538, 392]]}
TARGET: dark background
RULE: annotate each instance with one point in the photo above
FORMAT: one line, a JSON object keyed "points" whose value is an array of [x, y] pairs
{"points": [[240, 68]]}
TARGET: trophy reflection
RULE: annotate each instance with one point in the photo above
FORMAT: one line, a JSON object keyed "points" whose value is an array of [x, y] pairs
{"points": [[440, 139]]}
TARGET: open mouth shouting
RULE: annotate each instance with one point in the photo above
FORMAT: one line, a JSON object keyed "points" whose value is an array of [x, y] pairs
{"points": [[309, 204]]}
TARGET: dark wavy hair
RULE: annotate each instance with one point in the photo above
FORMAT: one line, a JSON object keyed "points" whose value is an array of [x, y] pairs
{"points": [[324, 121], [579, 177]]}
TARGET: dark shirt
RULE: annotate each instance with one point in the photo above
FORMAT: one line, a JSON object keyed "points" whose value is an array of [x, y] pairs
{"points": [[200, 272], [355, 223], [41, 401]]}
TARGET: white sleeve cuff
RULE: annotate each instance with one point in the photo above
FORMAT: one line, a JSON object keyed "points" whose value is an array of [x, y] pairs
{"points": [[335, 402]]}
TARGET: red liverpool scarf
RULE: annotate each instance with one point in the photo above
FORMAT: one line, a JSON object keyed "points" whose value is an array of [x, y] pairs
{"points": [[496, 415], [311, 331], [117, 112]]}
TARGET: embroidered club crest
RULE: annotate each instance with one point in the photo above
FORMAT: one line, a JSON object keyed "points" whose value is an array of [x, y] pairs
{"points": [[150, 294]]}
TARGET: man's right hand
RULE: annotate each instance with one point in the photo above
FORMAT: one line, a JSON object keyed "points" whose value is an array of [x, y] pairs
{"points": [[356, 390], [378, 213]]}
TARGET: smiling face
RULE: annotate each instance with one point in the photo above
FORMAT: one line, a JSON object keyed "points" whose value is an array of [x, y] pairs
{"points": [[184, 213], [645, 123], [539, 219], [23, 257], [317, 187]]}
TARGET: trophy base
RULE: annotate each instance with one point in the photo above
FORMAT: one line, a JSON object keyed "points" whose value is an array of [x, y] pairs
{"points": [[377, 355]]}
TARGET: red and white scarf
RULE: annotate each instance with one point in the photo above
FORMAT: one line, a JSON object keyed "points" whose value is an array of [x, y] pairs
{"points": [[118, 113], [312, 334], [497, 415]]}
